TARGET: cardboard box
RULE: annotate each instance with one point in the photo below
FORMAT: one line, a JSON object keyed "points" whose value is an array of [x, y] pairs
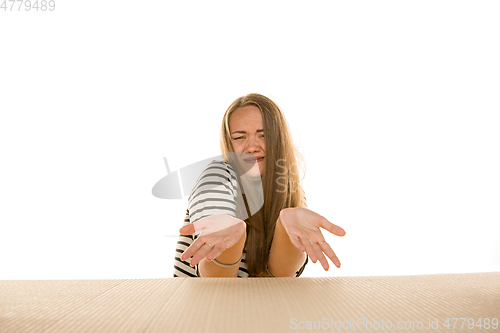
{"points": [[424, 303]]}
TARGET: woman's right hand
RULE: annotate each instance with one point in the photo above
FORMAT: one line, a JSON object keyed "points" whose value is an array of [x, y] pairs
{"points": [[221, 231]]}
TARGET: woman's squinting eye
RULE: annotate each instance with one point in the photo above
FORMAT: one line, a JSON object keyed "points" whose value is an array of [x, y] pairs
{"points": [[241, 137]]}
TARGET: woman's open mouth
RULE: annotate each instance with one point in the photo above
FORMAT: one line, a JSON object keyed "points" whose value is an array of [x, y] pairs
{"points": [[253, 160]]}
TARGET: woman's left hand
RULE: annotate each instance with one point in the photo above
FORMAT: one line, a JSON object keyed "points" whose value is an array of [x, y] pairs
{"points": [[303, 228]]}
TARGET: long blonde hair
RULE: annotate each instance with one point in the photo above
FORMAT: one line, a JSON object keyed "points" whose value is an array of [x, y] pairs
{"points": [[281, 184]]}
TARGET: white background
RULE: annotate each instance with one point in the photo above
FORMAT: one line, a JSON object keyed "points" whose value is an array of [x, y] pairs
{"points": [[395, 106]]}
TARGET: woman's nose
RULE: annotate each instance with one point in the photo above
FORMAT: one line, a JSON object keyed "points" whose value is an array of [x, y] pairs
{"points": [[252, 145]]}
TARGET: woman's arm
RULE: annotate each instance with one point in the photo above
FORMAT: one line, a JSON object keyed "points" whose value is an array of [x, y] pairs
{"points": [[212, 208], [233, 254], [284, 259]]}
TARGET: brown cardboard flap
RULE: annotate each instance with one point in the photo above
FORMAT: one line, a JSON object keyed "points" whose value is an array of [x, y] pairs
{"points": [[331, 304]]}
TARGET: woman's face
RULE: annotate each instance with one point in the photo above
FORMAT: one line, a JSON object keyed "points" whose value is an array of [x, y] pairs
{"points": [[247, 137]]}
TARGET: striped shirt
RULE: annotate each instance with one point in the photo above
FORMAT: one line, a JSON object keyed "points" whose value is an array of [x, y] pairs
{"points": [[216, 192]]}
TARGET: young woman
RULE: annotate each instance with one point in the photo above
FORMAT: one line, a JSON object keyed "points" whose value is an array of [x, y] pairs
{"points": [[247, 215]]}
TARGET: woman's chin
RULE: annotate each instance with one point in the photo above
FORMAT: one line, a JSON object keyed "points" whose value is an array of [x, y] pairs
{"points": [[253, 174]]}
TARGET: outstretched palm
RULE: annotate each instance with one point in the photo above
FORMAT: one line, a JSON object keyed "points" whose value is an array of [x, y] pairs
{"points": [[218, 233], [303, 227]]}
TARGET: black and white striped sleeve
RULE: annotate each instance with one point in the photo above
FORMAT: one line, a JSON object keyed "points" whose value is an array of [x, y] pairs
{"points": [[214, 193]]}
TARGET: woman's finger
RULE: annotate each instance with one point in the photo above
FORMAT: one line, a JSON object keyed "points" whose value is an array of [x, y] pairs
{"points": [[187, 229], [192, 249], [325, 247], [214, 253], [334, 229], [309, 249], [228, 242], [202, 253], [319, 254]]}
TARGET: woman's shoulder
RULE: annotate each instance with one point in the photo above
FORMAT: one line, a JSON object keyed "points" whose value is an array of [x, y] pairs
{"points": [[220, 164], [214, 167], [220, 167], [217, 174]]}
